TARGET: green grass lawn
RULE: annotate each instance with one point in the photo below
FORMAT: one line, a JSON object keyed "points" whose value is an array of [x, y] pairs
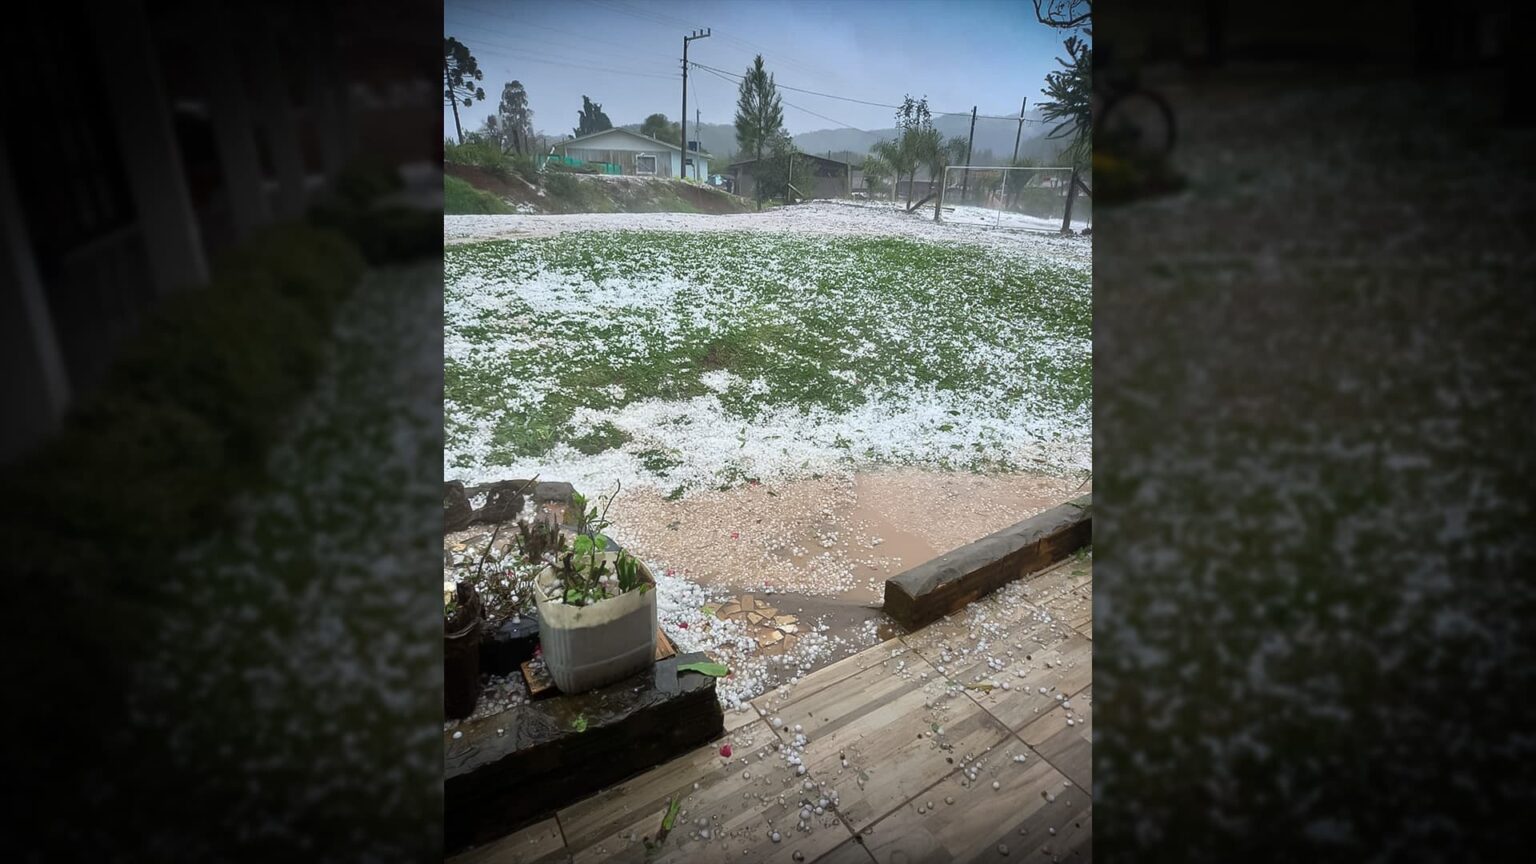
{"points": [[703, 358]]}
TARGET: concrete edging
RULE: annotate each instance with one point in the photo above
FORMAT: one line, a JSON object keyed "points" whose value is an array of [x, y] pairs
{"points": [[945, 584]]}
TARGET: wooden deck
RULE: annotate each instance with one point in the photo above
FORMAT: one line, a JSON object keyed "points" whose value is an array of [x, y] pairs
{"points": [[896, 730]]}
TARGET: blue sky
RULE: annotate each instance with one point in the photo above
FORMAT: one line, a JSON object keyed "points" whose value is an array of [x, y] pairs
{"points": [[626, 55]]}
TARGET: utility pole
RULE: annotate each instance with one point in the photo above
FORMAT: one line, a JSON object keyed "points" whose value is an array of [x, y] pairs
{"points": [[682, 159], [1016, 136], [1019, 134], [966, 177], [696, 113]]}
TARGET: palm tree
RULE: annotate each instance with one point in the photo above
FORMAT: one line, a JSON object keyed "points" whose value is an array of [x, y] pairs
{"points": [[874, 169], [901, 160]]}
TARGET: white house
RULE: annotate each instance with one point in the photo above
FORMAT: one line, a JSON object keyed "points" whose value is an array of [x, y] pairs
{"points": [[634, 154]]}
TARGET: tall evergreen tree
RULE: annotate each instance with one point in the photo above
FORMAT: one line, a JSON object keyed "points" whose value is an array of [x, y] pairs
{"points": [[591, 118], [515, 118], [460, 72], [1070, 89], [759, 111]]}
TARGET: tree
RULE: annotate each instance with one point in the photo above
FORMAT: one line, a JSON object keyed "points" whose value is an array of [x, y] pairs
{"points": [[591, 118], [659, 127], [936, 153], [492, 132], [917, 143], [759, 111], [876, 169], [900, 162], [783, 164], [515, 118], [1064, 14], [1070, 89], [1070, 92], [460, 72]]}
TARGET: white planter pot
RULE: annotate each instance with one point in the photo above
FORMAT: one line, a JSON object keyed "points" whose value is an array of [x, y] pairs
{"points": [[589, 646]]}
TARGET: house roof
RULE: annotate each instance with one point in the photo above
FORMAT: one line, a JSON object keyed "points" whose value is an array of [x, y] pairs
{"points": [[646, 138], [802, 155]]}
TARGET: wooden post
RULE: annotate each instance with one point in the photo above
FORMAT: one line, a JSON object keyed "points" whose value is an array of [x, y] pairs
{"points": [[965, 179], [1016, 136], [1066, 218]]}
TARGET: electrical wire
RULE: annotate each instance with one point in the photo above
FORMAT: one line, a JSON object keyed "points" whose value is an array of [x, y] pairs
{"points": [[738, 77]]}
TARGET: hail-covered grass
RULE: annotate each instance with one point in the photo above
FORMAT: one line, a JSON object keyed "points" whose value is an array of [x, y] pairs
{"points": [[690, 359]]}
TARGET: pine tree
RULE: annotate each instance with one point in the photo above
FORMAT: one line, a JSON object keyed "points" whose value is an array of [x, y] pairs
{"points": [[460, 72], [516, 118], [759, 111]]}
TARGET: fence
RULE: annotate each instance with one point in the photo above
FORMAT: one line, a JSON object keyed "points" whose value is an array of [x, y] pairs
{"points": [[573, 162]]}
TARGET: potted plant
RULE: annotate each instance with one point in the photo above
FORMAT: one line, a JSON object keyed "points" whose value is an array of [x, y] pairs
{"points": [[461, 649], [597, 609]]}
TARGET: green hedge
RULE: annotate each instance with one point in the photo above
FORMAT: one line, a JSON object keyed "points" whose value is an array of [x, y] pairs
{"points": [[386, 235]]}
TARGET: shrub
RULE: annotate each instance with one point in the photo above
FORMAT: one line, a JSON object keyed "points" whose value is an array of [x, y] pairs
{"points": [[460, 198], [314, 267], [236, 355], [366, 180], [132, 476], [563, 186], [526, 166], [388, 235]]}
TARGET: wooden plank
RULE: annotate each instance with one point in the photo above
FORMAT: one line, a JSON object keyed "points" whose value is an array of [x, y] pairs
{"points": [[1070, 575], [947, 583], [539, 843], [541, 686], [881, 721], [1017, 814], [850, 852], [834, 673], [739, 803], [1069, 748], [1064, 668]]}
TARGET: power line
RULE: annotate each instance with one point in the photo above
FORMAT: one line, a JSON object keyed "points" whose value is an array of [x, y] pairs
{"points": [[786, 102], [1013, 119]]}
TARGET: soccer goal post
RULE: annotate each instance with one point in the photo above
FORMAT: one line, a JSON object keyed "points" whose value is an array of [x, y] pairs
{"points": [[1004, 196]]}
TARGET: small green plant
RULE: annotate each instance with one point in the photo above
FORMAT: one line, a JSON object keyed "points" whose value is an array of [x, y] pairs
{"points": [[583, 570], [540, 540]]}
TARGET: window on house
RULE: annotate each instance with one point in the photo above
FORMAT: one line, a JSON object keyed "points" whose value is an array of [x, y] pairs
{"points": [[645, 164]]}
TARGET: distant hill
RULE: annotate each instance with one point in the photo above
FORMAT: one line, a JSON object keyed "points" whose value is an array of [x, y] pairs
{"points": [[994, 135]]}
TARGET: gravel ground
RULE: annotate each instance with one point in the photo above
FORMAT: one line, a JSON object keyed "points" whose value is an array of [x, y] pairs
{"points": [[840, 535]]}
